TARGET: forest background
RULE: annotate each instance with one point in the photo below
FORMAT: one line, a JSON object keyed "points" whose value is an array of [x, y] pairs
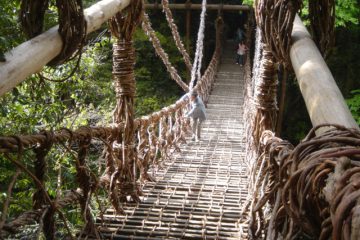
{"points": [[88, 98]]}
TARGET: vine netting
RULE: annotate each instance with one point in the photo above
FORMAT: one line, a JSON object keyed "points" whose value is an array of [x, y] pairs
{"points": [[131, 150]]}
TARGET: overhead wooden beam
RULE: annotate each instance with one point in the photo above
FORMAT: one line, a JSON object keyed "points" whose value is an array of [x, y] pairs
{"points": [[323, 99], [31, 56], [186, 6]]}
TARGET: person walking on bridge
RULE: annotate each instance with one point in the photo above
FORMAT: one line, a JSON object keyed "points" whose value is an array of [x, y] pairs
{"points": [[242, 48], [197, 113]]}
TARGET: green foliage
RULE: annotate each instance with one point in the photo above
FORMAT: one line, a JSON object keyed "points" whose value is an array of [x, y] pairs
{"points": [[354, 105], [249, 2], [347, 11], [9, 30]]}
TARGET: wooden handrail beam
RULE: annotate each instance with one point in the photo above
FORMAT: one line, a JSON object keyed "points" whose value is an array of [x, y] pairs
{"points": [[185, 6], [323, 99], [31, 56]]}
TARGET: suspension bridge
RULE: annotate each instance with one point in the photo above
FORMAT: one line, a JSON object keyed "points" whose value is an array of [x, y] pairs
{"points": [[200, 193], [240, 181]]}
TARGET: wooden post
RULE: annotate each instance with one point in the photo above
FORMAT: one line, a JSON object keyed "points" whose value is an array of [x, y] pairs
{"points": [[322, 96], [31, 56]]}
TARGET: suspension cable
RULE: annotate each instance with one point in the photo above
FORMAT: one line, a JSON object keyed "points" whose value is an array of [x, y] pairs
{"points": [[146, 26], [195, 72], [175, 33]]}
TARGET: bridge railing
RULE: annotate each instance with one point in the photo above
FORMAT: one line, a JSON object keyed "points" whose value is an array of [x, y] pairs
{"points": [[158, 135], [310, 190]]}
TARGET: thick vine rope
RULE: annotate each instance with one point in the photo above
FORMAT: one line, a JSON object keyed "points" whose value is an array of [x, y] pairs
{"points": [[322, 20], [275, 19], [146, 26], [316, 186], [175, 34], [196, 68]]}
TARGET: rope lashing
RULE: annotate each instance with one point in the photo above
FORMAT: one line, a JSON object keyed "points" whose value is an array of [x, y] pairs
{"points": [[122, 25], [72, 25], [322, 22], [28, 217], [51, 207], [123, 65], [196, 68], [275, 19], [146, 26], [123, 179], [175, 34]]}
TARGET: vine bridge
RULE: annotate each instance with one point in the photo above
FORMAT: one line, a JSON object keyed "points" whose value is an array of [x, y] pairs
{"points": [[240, 181]]}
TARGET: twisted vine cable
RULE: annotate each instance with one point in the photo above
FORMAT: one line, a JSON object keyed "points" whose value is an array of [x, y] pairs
{"points": [[175, 34], [196, 68], [146, 26]]}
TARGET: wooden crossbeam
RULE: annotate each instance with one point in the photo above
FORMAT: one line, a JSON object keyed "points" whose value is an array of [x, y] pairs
{"points": [[188, 6]]}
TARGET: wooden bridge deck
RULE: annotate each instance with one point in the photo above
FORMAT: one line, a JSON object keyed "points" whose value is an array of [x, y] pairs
{"points": [[199, 194]]}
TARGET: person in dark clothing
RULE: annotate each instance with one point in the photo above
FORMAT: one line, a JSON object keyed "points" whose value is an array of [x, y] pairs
{"points": [[239, 35]]}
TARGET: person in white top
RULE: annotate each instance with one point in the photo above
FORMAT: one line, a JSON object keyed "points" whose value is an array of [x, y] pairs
{"points": [[241, 53], [197, 113]]}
